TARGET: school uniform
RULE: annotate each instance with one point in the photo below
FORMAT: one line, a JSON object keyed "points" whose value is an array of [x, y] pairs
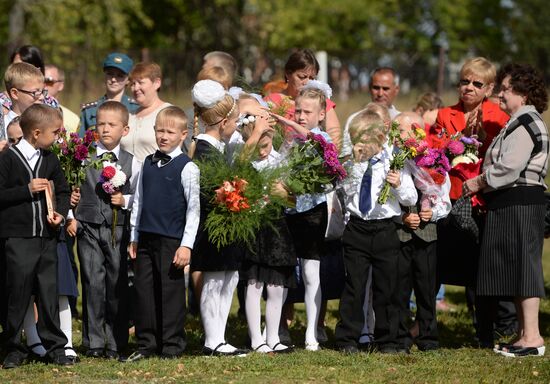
{"points": [[417, 269], [30, 244], [102, 264], [370, 239], [165, 216]]}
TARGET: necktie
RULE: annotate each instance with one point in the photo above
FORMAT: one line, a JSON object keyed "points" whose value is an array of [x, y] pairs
{"points": [[365, 192], [162, 157], [108, 156]]}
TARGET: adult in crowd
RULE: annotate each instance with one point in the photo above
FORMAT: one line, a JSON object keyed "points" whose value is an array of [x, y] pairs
{"points": [[301, 67], [383, 89], [427, 107], [31, 55], [54, 81], [116, 68], [145, 82], [513, 185]]}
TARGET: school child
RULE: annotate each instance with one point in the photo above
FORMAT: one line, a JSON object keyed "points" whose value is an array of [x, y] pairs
{"points": [[216, 112], [370, 238], [102, 253], [418, 259], [29, 232], [14, 132], [273, 260], [164, 222], [308, 221]]}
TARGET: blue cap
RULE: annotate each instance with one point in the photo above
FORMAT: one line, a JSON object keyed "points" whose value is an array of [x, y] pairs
{"points": [[120, 61]]}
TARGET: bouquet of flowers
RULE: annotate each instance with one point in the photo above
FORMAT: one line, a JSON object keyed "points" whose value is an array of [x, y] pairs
{"points": [[435, 163], [281, 109], [74, 154], [240, 198], [407, 149], [463, 151], [112, 180], [313, 165]]}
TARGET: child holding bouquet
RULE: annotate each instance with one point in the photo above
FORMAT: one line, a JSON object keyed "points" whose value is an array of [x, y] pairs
{"points": [[370, 237], [272, 260], [101, 227], [418, 235]]}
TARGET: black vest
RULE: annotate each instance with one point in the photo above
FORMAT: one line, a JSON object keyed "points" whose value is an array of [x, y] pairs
{"points": [[95, 204], [163, 204]]}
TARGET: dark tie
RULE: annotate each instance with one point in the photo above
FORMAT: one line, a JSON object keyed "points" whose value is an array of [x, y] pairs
{"points": [[162, 157], [365, 192], [108, 156]]}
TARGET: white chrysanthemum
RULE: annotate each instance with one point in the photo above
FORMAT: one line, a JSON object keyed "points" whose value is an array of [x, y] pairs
{"points": [[119, 179], [320, 85], [461, 159], [207, 93], [474, 158]]}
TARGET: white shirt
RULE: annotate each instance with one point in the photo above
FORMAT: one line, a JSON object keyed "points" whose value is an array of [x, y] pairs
{"points": [[30, 153], [405, 195], [190, 181], [219, 145]]}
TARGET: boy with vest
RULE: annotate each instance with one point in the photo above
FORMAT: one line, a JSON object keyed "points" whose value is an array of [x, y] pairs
{"points": [[29, 232], [102, 252], [164, 223]]}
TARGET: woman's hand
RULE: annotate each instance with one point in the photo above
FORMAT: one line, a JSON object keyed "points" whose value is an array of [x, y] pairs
{"points": [[474, 185]]}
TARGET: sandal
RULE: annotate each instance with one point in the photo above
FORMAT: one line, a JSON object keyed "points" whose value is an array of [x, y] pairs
{"points": [[257, 349], [287, 349]]}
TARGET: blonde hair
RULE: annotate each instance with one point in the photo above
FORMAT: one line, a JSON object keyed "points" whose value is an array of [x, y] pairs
{"points": [[38, 116], [19, 74], [370, 123], [479, 66], [172, 116], [380, 110], [115, 106], [314, 94], [216, 73], [225, 108], [428, 101]]}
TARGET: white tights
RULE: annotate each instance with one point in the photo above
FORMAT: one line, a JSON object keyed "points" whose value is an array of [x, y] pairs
{"points": [[216, 297], [312, 284]]}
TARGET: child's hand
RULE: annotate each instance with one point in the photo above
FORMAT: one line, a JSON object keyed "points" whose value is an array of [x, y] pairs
{"points": [[261, 126], [117, 199], [278, 189], [182, 257], [426, 214], [75, 197], [38, 185], [394, 178], [132, 250], [411, 220], [56, 220], [71, 227]]}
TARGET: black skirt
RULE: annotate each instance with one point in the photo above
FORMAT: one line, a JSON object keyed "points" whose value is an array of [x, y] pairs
{"points": [[510, 262], [66, 283], [308, 232]]}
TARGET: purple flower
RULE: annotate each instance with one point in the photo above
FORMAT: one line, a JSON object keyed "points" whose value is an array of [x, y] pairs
{"points": [[108, 187], [81, 152], [89, 137], [456, 147], [426, 160]]}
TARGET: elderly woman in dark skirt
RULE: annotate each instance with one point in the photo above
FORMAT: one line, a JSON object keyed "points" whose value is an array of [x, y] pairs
{"points": [[512, 180]]}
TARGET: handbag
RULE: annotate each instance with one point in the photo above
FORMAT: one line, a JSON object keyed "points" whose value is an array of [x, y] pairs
{"points": [[335, 218], [461, 217]]}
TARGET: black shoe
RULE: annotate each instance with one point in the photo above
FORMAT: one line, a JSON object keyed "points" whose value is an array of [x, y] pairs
{"points": [[63, 360], [214, 352], [94, 352], [403, 351], [136, 356], [13, 360], [288, 349], [367, 347], [349, 349], [74, 359], [171, 356], [111, 355], [388, 350], [428, 347]]}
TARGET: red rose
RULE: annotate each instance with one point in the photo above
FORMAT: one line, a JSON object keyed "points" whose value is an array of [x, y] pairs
{"points": [[108, 172]]}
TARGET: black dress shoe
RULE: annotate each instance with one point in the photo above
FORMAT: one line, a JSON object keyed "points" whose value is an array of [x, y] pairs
{"points": [[388, 350], [215, 352], [403, 350], [63, 360], [428, 347], [136, 356], [349, 349], [288, 349], [94, 352], [111, 355], [13, 360], [170, 356]]}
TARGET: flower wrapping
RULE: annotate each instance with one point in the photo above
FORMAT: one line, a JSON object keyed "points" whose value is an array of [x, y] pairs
{"points": [[112, 179]]}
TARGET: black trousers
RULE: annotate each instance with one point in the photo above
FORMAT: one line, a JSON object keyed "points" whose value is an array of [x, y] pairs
{"points": [[31, 266], [104, 286], [417, 269], [160, 291], [369, 243]]}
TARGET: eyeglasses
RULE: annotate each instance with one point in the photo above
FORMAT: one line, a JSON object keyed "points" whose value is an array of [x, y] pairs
{"points": [[51, 81], [465, 82], [35, 94]]}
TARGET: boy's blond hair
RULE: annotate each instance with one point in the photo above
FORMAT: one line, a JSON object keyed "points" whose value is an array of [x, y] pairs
{"points": [[19, 74], [216, 73], [172, 116], [115, 106], [38, 116], [369, 123]]}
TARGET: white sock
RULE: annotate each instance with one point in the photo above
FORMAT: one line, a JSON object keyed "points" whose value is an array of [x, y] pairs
{"points": [[66, 324], [29, 325], [368, 311], [210, 308], [312, 283], [228, 289], [253, 312], [273, 308]]}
